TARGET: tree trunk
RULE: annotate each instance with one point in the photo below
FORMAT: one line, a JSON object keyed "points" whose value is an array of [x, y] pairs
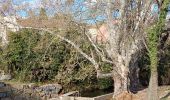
{"points": [[153, 84], [120, 85], [4, 36], [121, 81]]}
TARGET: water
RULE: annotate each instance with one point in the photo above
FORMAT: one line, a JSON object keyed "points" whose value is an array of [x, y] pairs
{"points": [[97, 92]]}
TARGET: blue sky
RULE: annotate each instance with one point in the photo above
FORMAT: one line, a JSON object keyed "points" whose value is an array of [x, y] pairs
{"points": [[78, 5], [19, 2], [22, 1], [34, 4]]}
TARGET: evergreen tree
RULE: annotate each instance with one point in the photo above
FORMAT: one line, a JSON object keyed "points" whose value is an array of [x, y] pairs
{"points": [[43, 14]]}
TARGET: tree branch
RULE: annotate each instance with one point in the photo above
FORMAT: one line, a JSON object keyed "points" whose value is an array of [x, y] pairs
{"points": [[97, 50], [99, 74]]}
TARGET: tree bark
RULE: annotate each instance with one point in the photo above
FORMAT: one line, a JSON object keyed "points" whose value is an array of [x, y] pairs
{"points": [[153, 84], [121, 81], [120, 84], [4, 36]]}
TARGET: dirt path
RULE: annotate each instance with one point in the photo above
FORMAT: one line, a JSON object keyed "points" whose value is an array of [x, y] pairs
{"points": [[163, 91]]}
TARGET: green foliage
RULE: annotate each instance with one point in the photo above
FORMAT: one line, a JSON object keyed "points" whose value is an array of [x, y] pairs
{"points": [[35, 56], [105, 83], [153, 43], [153, 36], [163, 67], [19, 54]]}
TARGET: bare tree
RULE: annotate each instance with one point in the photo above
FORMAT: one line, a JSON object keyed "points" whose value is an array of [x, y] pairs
{"points": [[8, 18], [126, 35], [126, 38], [5, 9], [124, 41]]}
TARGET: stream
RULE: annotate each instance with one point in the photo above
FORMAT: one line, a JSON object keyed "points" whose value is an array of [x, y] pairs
{"points": [[97, 92]]}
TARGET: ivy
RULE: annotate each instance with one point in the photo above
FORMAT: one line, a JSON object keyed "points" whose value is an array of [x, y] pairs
{"points": [[154, 33]]}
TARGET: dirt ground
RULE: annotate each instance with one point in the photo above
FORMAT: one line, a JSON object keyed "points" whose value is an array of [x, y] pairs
{"points": [[163, 91]]}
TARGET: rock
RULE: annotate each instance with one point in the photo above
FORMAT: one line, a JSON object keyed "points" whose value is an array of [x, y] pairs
{"points": [[50, 88], [32, 85], [4, 94], [42, 94], [38, 89], [4, 90], [48, 91], [2, 84], [4, 76], [29, 86]]}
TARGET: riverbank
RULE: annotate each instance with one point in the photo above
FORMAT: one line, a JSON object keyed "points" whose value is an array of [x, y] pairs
{"points": [[18, 93]]}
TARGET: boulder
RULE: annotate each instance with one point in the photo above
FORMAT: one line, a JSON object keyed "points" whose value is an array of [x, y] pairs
{"points": [[49, 89]]}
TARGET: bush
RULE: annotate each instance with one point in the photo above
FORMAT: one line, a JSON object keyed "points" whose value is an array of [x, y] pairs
{"points": [[37, 56]]}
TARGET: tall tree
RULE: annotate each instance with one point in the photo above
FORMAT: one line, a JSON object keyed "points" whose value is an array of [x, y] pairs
{"points": [[6, 9], [125, 37], [153, 37]]}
